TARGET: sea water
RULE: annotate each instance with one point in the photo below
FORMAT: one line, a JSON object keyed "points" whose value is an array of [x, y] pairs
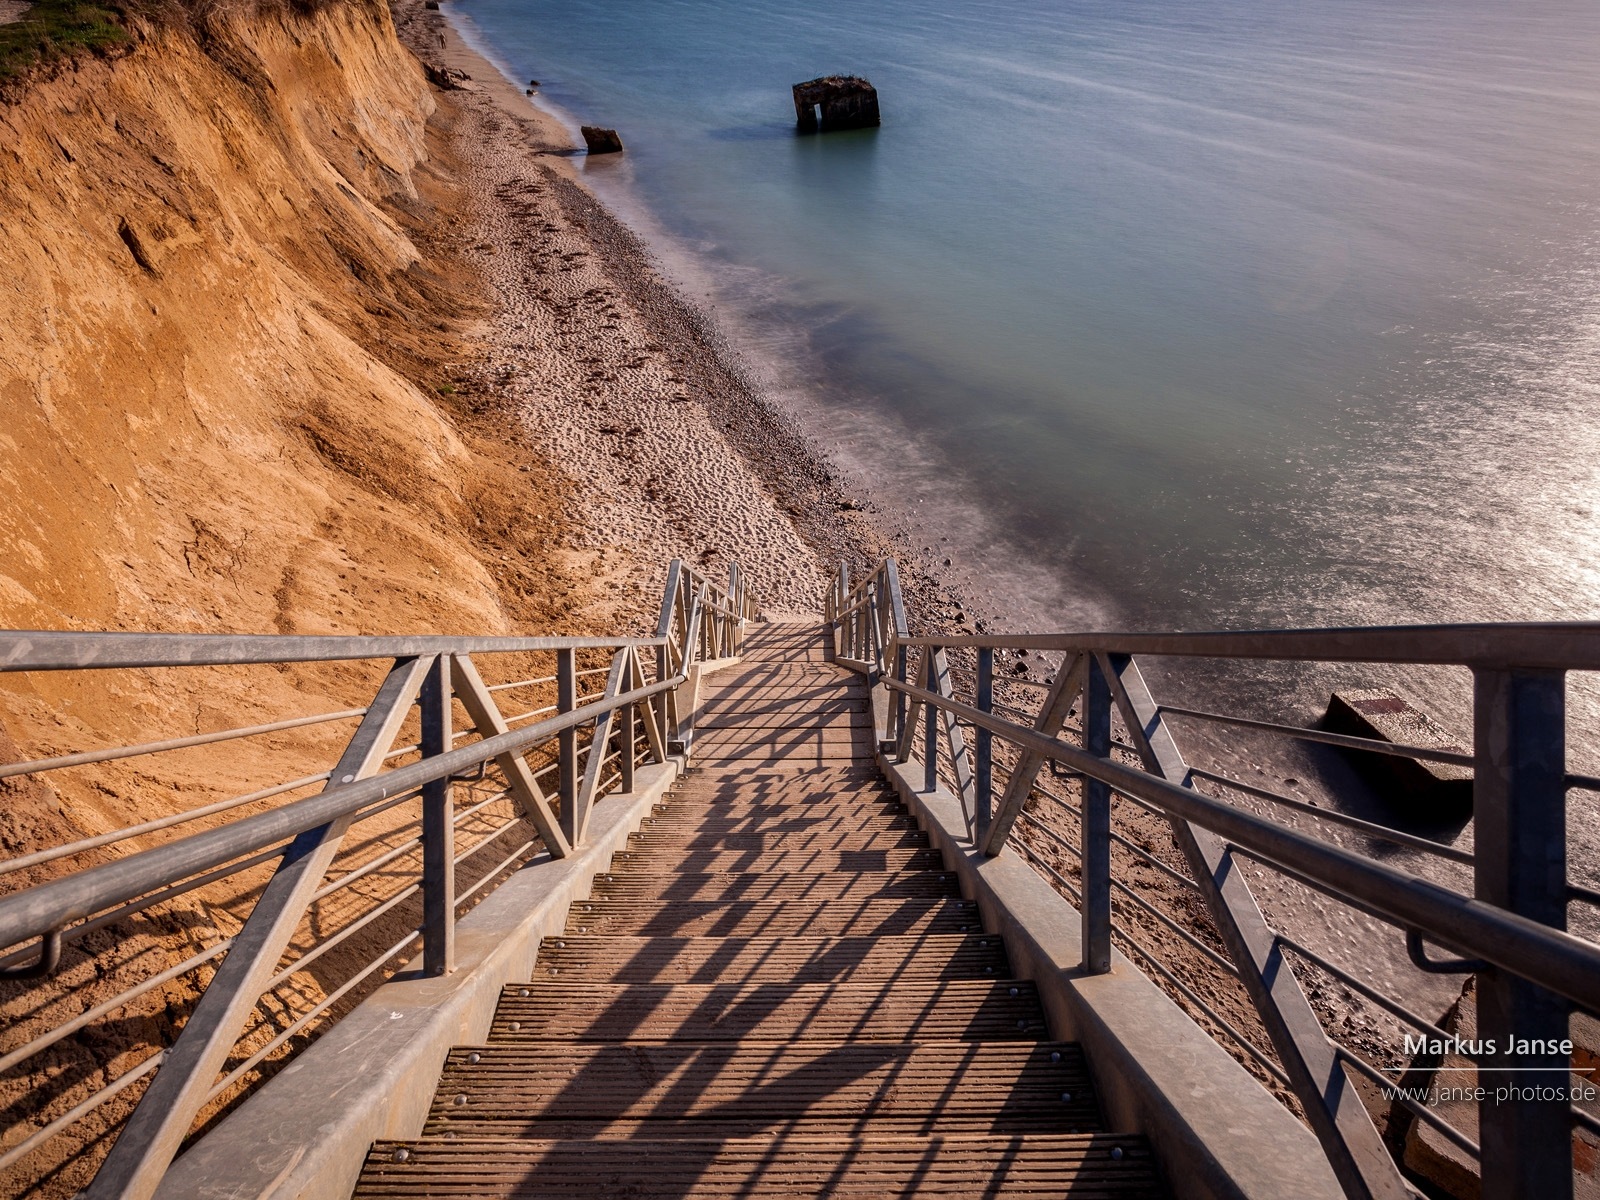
{"points": [[1217, 315]]}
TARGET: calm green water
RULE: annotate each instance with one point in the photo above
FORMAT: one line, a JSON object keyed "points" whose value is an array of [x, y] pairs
{"points": [[1224, 314]]}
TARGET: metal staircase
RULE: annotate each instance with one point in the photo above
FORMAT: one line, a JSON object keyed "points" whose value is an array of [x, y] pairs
{"points": [[776, 991]]}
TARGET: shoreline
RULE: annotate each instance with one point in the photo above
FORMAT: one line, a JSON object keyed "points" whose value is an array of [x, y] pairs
{"points": [[620, 381], [657, 376]]}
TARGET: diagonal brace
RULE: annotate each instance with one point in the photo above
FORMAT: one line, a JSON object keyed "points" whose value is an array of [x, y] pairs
{"points": [[485, 715], [1052, 716], [1354, 1147], [150, 1140]]}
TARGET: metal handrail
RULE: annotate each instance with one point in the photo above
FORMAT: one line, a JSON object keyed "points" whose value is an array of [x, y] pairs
{"points": [[47, 906], [1556, 960], [1539, 646], [701, 619], [1512, 931], [50, 650]]}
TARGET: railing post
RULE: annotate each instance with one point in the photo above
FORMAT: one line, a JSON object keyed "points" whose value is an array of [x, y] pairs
{"points": [[1094, 845], [567, 745], [841, 622], [930, 729], [897, 712], [438, 829], [983, 766], [1520, 861], [628, 760]]}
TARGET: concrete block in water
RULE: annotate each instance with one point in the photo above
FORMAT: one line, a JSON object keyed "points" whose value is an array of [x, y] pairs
{"points": [[835, 102], [601, 141], [1417, 788]]}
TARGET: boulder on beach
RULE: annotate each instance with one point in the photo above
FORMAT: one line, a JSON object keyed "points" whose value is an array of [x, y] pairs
{"points": [[446, 78], [835, 102], [601, 141]]}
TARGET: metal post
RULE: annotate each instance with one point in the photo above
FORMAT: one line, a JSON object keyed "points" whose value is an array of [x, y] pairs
{"points": [[438, 829], [1519, 809], [930, 729], [628, 760], [1094, 844], [567, 745], [983, 770]]}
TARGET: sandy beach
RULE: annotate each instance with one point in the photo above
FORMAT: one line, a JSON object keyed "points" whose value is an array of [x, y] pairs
{"points": [[617, 380]]}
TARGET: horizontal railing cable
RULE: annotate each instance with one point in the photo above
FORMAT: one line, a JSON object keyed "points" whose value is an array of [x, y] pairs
{"points": [[88, 757], [1334, 817], [1343, 740], [51, 905], [1553, 959]]}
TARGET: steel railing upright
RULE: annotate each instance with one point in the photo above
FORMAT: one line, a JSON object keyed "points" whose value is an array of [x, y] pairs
{"points": [[1510, 931], [593, 743]]}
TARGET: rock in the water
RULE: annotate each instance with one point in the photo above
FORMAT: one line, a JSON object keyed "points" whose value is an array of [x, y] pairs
{"points": [[431, 5], [601, 141], [447, 78], [835, 102], [1419, 788]]}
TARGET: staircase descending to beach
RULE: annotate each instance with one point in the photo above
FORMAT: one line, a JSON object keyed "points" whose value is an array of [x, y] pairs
{"points": [[776, 991], [773, 908]]}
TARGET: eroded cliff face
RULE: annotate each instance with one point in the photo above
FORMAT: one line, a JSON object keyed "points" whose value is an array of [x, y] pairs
{"points": [[229, 320]]}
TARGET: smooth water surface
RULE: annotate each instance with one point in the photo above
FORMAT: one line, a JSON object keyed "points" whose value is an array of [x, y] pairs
{"points": [[1226, 314]]}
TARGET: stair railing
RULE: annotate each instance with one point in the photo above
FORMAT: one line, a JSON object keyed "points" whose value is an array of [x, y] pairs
{"points": [[1508, 926], [432, 733]]}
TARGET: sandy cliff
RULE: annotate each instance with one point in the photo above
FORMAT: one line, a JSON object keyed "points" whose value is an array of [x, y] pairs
{"points": [[234, 307]]}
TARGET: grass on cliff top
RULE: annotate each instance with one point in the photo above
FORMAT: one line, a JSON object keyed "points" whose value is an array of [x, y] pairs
{"points": [[56, 29]]}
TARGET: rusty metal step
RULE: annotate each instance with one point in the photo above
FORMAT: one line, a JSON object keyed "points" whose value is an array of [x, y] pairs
{"points": [[995, 1087], [1084, 1166], [879, 885], [853, 918], [781, 861], [744, 960], [891, 1011]]}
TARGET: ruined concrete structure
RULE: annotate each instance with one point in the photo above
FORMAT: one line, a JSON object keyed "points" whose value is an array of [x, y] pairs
{"points": [[601, 141], [835, 102]]}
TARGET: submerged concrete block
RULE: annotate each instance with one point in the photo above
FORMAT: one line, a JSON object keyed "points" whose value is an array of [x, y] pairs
{"points": [[1415, 787], [835, 102], [601, 141]]}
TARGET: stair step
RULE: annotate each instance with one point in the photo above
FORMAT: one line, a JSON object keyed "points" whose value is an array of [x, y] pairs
{"points": [[743, 960], [788, 1166], [845, 715], [725, 888], [886, 1011], [987, 1086], [775, 818], [709, 840], [863, 918], [797, 799], [709, 862]]}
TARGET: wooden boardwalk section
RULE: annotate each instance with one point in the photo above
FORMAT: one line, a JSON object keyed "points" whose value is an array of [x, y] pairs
{"points": [[777, 991]]}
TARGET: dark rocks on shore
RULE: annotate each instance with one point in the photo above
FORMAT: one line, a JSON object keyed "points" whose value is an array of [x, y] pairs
{"points": [[601, 141], [835, 102], [446, 78]]}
